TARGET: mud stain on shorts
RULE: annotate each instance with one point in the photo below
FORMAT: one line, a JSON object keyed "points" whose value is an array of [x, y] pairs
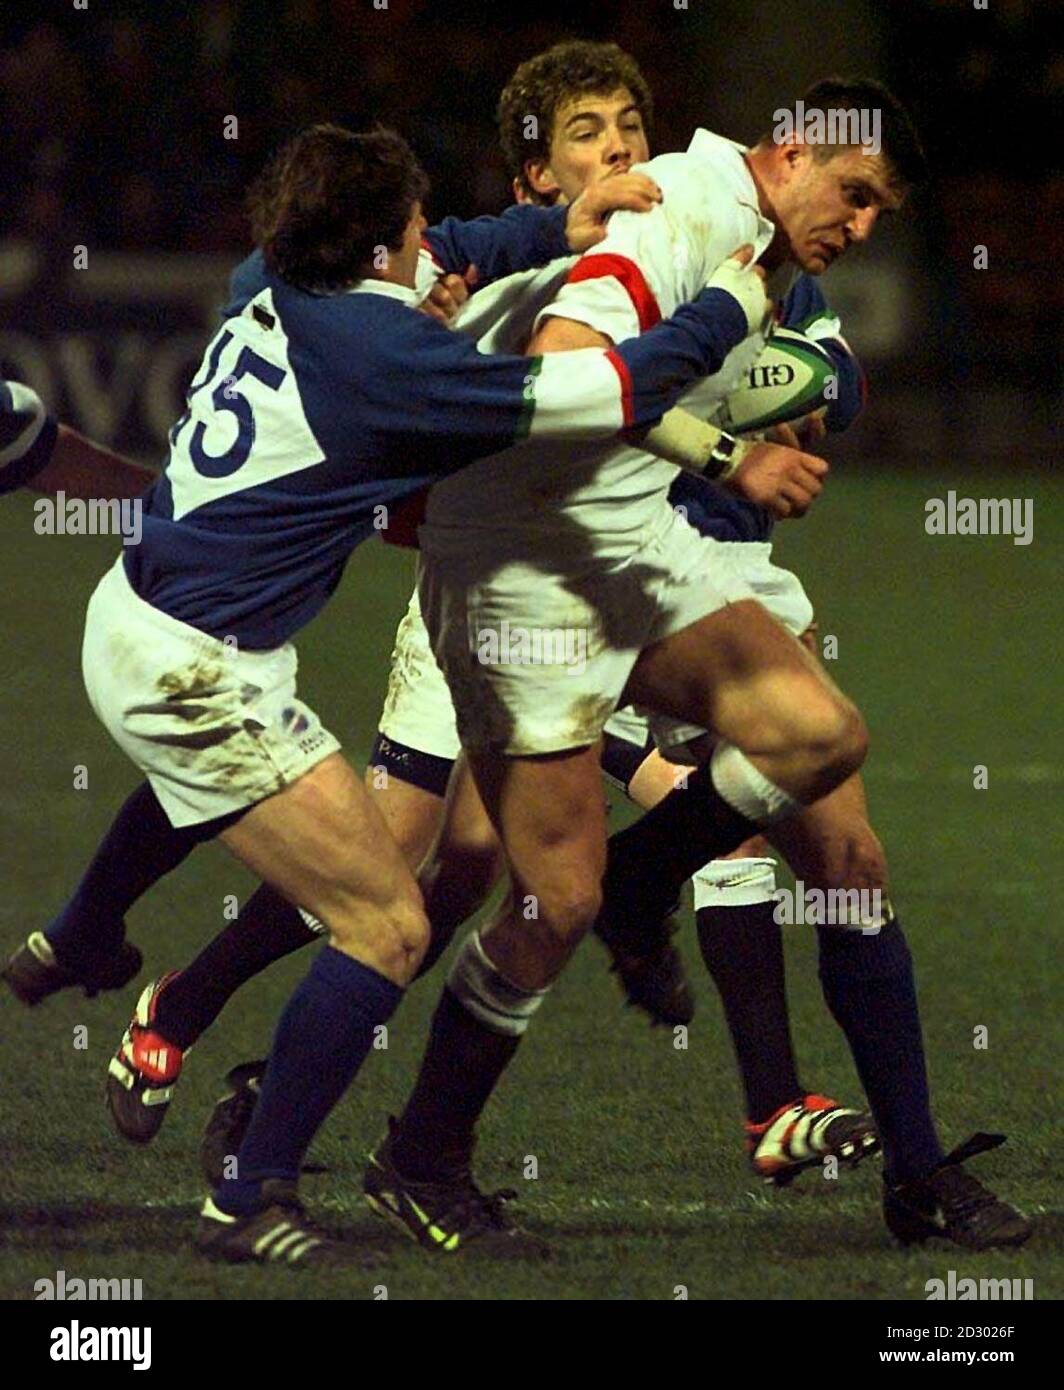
{"points": [[585, 717], [190, 682]]}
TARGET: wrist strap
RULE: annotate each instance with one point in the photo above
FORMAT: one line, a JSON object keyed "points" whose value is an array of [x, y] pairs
{"points": [[725, 458]]}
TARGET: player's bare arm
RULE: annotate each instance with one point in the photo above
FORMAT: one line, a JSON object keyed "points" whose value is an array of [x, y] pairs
{"points": [[778, 476], [37, 453], [81, 468]]}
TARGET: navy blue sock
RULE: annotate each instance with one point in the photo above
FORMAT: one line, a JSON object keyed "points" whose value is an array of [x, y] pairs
{"points": [[648, 863], [870, 989], [322, 1039], [742, 947], [138, 850]]}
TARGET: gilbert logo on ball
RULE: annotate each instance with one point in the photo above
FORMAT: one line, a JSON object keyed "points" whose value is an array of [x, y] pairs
{"points": [[791, 378]]}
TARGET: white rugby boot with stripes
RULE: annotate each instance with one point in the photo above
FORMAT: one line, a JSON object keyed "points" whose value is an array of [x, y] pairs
{"points": [[806, 1132], [279, 1235]]}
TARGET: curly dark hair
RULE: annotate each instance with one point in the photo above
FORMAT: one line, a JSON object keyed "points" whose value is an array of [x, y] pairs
{"points": [[575, 68], [329, 198]]}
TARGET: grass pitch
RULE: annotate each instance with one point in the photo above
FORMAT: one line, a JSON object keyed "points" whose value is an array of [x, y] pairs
{"points": [[641, 1181]]}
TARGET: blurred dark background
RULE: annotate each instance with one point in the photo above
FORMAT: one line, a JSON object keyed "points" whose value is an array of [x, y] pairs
{"points": [[111, 138]]}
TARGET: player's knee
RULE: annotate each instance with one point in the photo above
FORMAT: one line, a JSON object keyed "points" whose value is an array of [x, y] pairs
{"points": [[564, 914], [856, 861], [850, 742], [405, 938], [394, 936], [838, 737]]}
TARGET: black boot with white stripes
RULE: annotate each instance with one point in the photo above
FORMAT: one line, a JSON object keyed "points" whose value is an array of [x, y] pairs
{"points": [[280, 1234]]}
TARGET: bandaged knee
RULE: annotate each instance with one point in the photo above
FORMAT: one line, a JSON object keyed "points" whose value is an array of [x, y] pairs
{"points": [[747, 790], [487, 994]]}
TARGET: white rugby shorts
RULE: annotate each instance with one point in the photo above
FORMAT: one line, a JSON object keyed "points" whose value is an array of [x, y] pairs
{"points": [[537, 653], [418, 710]]}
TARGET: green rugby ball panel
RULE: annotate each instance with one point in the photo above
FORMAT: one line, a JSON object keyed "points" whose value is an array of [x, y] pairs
{"points": [[786, 382]]}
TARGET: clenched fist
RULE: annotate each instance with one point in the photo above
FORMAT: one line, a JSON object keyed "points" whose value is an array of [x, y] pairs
{"points": [[786, 481]]}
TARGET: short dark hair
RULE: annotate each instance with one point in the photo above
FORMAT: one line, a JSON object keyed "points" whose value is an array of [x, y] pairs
{"points": [[899, 143], [329, 198], [574, 68]]}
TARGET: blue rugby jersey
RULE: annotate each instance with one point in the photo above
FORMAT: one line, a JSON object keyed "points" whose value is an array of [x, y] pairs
{"points": [[721, 514], [27, 435], [312, 414]]}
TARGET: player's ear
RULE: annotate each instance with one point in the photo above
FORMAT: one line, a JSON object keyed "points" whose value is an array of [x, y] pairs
{"points": [[541, 179], [792, 157]]}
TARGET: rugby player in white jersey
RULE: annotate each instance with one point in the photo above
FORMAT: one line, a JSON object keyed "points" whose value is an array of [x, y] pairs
{"points": [[141, 844], [594, 108], [665, 620]]}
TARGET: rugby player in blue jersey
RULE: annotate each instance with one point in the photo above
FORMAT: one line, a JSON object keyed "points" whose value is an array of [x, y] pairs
{"points": [[594, 105]]}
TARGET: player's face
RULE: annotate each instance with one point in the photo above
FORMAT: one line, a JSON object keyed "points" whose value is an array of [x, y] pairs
{"points": [[823, 208], [592, 136]]}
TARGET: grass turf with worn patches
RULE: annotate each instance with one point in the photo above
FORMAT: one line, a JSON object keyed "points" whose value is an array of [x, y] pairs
{"points": [[641, 1178]]}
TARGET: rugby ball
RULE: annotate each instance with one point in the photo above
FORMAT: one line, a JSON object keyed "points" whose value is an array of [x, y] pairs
{"points": [[786, 382]]}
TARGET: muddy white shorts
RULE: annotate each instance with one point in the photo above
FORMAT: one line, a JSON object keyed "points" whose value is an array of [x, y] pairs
{"points": [[213, 728], [537, 652]]}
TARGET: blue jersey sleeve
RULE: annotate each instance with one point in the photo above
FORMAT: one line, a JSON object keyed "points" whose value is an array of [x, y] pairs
{"points": [[27, 435], [422, 385], [805, 310], [521, 239]]}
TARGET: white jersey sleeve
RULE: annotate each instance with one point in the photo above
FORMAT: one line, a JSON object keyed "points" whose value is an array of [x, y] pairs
{"points": [[652, 262]]}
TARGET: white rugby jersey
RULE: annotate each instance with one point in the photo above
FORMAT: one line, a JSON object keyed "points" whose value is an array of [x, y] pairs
{"points": [[649, 264]]}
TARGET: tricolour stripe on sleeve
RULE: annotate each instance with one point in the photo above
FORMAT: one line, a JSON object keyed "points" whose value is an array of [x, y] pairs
{"points": [[580, 394], [594, 267], [621, 367]]}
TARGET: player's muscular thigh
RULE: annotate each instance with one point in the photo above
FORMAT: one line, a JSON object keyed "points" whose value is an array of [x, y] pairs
{"points": [[411, 814], [323, 844], [743, 676]]}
